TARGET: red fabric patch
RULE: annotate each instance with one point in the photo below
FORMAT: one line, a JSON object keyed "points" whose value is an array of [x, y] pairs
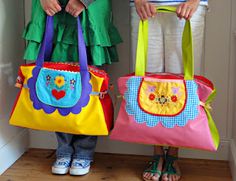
{"points": [[152, 97], [174, 98], [58, 94]]}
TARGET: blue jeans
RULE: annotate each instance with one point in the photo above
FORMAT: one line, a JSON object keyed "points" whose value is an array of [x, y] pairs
{"points": [[75, 146]]}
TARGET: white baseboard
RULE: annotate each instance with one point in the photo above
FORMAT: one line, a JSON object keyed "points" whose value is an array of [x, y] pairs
{"points": [[13, 150], [106, 146], [232, 159], [46, 140], [42, 139]]}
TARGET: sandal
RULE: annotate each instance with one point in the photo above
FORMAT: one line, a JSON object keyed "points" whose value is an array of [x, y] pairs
{"points": [[152, 167], [169, 167]]}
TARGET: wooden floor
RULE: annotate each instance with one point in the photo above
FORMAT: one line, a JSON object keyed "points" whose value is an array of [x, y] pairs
{"points": [[35, 165]]}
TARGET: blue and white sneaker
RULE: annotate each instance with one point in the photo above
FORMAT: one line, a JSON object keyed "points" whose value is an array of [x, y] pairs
{"points": [[61, 166], [80, 167]]}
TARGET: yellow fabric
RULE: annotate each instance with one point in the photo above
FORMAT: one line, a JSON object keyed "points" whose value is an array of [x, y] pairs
{"points": [[162, 98], [25, 115]]}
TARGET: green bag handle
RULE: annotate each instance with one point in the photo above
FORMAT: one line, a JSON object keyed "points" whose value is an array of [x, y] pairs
{"points": [[187, 47], [212, 126]]}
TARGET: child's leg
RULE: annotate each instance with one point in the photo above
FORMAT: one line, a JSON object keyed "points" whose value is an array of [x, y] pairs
{"points": [[171, 169], [153, 171], [65, 147], [64, 153], [155, 64], [84, 147]]}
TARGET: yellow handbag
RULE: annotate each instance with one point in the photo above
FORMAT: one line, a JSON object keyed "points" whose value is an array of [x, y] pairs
{"points": [[63, 97]]}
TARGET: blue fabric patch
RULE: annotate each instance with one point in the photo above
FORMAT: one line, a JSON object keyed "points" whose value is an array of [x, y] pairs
{"points": [[58, 89], [188, 114]]}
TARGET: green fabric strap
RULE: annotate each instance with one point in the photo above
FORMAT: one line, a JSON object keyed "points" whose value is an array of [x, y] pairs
{"points": [[169, 168], [141, 53], [213, 129], [187, 47], [154, 165]]}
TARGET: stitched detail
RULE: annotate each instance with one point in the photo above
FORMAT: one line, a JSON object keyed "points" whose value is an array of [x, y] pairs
{"points": [[188, 114]]}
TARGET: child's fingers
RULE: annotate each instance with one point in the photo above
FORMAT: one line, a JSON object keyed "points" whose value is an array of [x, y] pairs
{"points": [[178, 11], [190, 14], [73, 13], [148, 10], [49, 12], [54, 9], [52, 12], [183, 11], [76, 13], [58, 2], [140, 14], [153, 10], [69, 10], [144, 14], [57, 7], [187, 12]]}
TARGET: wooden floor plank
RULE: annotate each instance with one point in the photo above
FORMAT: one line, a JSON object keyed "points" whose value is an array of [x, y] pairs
{"points": [[35, 165]]}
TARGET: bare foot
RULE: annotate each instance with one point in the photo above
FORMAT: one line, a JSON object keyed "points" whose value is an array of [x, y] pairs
{"points": [[153, 171], [171, 172], [75, 7], [51, 7]]}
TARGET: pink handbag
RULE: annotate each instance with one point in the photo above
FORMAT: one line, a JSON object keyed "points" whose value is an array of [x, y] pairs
{"points": [[166, 109]]}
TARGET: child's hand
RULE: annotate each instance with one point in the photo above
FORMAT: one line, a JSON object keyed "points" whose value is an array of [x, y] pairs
{"points": [[187, 9], [145, 9], [75, 7], [51, 7]]}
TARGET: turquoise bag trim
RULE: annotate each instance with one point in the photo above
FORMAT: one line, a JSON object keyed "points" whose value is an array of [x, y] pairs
{"points": [[58, 89]]}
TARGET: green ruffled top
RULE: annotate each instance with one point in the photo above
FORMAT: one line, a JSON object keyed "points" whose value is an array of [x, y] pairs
{"points": [[100, 35]]}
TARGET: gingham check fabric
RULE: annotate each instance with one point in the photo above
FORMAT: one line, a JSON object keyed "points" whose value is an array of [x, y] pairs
{"points": [[188, 114]]}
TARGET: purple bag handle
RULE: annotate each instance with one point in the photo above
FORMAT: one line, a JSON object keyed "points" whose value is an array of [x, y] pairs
{"points": [[46, 46], [45, 53]]}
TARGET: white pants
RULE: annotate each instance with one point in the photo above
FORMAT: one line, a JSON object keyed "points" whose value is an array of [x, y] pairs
{"points": [[165, 41]]}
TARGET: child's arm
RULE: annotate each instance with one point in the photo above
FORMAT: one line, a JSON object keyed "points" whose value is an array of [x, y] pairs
{"points": [[145, 9], [51, 7], [187, 9]]}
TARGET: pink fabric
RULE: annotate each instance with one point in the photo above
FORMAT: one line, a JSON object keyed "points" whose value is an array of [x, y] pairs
{"points": [[196, 134]]}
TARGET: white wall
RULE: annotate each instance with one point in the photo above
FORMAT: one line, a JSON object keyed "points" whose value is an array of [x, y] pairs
{"points": [[232, 153], [217, 67], [13, 141]]}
